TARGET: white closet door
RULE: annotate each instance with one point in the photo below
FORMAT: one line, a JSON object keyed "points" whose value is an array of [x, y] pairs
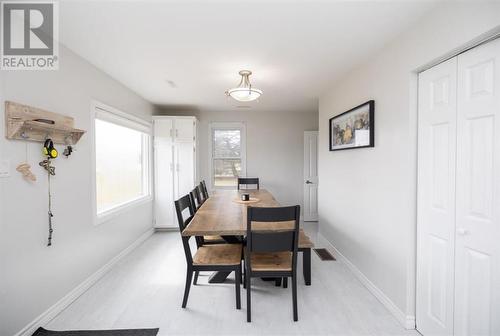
{"points": [[184, 166], [477, 281], [164, 167], [436, 198]]}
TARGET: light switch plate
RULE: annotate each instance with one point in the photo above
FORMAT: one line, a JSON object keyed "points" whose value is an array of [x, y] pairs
{"points": [[4, 168]]}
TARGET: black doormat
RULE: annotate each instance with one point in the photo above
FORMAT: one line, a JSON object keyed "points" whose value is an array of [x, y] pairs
{"points": [[323, 254], [115, 332]]}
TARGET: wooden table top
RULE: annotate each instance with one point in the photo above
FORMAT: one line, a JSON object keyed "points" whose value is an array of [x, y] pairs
{"points": [[220, 215]]}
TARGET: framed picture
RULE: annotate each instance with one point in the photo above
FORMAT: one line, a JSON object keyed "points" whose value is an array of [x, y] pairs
{"points": [[354, 128]]}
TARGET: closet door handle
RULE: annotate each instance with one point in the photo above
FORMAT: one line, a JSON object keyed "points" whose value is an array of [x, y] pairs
{"points": [[176, 133], [462, 231]]}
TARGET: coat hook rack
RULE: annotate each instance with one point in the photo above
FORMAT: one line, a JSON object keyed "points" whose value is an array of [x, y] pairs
{"points": [[25, 122]]}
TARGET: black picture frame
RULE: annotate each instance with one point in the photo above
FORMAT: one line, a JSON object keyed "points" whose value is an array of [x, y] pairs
{"points": [[355, 123]]}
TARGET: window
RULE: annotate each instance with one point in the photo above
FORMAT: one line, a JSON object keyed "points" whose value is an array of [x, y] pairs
{"points": [[228, 153], [122, 155]]}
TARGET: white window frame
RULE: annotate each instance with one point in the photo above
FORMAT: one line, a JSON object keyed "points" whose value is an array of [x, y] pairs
{"points": [[108, 113], [222, 126]]}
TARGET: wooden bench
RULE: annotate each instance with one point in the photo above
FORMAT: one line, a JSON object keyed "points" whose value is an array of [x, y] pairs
{"points": [[305, 245]]}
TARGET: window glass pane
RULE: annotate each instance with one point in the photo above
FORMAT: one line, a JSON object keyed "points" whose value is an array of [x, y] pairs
{"points": [[227, 143], [120, 167], [226, 172]]}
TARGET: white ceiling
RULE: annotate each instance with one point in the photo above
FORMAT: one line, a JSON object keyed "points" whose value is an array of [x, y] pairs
{"points": [[295, 49]]}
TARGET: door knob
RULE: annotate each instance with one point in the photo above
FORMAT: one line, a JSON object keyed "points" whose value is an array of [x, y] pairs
{"points": [[462, 231], [308, 182]]}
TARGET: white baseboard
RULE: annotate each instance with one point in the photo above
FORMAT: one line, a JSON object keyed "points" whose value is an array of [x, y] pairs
{"points": [[166, 229], [62, 304], [408, 322]]}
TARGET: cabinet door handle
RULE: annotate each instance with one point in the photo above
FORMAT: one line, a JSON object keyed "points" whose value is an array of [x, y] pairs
{"points": [[176, 133], [308, 182], [462, 231]]}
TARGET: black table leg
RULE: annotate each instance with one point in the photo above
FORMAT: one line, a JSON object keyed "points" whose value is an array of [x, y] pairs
{"points": [[218, 277], [232, 239], [306, 266]]}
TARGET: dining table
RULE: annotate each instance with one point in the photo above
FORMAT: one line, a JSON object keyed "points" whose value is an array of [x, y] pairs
{"points": [[224, 214]]}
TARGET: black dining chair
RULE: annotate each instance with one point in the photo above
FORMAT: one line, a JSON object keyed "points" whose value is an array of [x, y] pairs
{"points": [[204, 190], [201, 193], [248, 181], [197, 202], [195, 198], [272, 254], [212, 258]]}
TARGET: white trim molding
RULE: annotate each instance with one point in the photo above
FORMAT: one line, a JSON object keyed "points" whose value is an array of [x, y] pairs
{"points": [[120, 209], [108, 113], [114, 115], [69, 298], [408, 322]]}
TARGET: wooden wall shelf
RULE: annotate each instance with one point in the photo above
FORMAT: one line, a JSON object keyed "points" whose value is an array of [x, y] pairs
{"points": [[30, 123]]}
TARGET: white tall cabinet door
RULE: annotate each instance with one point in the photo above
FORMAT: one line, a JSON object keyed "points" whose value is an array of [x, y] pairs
{"points": [[163, 171], [184, 168], [310, 176], [436, 198], [184, 129], [477, 280]]}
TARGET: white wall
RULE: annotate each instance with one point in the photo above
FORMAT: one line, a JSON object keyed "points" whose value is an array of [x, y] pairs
{"points": [[33, 276], [275, 147], [367, 197]]}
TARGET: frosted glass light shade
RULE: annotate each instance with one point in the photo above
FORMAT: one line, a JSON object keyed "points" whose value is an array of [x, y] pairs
{"points": [[244, 94]]}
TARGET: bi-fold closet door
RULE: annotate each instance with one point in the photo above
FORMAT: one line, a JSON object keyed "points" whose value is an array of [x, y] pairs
{"points": [[458, 229]]}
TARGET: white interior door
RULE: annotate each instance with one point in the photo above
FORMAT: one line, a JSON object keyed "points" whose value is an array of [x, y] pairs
{"points": [[163, 169], [310, 176], [436, 198], [477, 280]]}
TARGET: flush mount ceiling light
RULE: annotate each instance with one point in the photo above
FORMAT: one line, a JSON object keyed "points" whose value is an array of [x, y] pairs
{"points": [[244, 92]]}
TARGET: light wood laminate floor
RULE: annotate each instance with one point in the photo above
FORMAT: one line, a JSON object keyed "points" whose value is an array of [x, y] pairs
{"points": [[145, 291]]}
